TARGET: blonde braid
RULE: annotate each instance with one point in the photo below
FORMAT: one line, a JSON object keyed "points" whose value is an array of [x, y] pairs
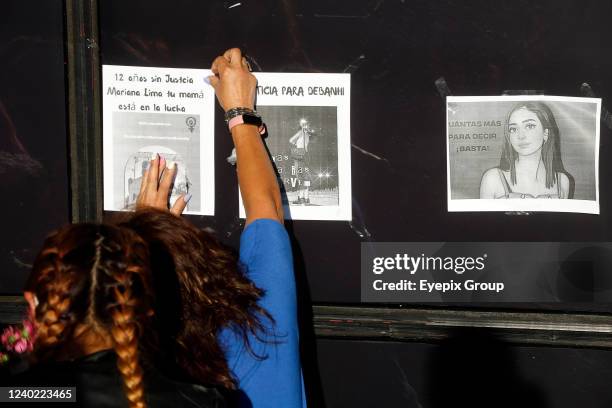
{"points": [[51, 327], [125, 335], [71, 295]]}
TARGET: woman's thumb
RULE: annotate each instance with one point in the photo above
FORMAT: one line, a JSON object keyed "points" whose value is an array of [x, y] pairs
{"points": [[212, 80]]}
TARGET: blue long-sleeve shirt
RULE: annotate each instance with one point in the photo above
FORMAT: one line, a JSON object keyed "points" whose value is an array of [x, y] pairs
{"points": [[276, 381]]}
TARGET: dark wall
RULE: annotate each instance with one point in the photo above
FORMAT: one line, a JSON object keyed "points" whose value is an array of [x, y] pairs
{"points": [[33, 143], [395, 51], [473, 370]]}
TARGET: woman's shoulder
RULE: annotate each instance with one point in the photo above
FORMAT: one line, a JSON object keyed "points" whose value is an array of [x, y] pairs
{"points": [[491, 184], [493, 172], [492, 177]]}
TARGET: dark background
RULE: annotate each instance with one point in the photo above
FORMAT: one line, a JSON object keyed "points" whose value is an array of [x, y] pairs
{"points": [[471, 370], [395, 51], [34, 181]]}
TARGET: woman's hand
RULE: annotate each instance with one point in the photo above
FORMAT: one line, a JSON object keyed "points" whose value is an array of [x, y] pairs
{"points": [[155, 190], [235, 88], [233, 82]]}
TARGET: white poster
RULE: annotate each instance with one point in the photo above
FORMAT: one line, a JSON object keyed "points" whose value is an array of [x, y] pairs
{"points": [[158, 110], [308, 121], [523, 153]]}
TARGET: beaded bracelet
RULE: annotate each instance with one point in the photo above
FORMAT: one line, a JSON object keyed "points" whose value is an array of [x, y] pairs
{"points": [[232, 113], [239, 116]]}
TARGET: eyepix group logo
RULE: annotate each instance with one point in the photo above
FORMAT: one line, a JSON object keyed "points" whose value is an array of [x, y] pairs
{"points": [[413, 264]]}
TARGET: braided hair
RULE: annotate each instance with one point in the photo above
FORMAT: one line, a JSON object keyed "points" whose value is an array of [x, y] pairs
{"points": [[93, 279]]}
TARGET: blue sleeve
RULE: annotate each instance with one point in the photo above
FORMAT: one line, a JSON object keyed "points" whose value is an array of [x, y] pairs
{"points": [[275, 381]]}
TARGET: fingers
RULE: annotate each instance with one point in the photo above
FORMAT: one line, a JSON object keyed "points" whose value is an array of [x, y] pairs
{"points": [[153, 171], [162, 164], [234, 85], [149, 180], [166, 181], [157, 185], [213, 80], [230, 58], [180, 204], [233, 56], [144, 182], [219, 65]]}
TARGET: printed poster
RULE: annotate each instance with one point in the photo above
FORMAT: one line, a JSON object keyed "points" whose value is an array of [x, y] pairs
{"points": [[308, 121], [158, 110], [523, 153]]}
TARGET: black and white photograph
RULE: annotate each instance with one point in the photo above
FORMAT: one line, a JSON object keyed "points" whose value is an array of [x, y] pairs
{"points": [[307, 117], [139, 137], [523, 153], [165, 111], [303, 143]]}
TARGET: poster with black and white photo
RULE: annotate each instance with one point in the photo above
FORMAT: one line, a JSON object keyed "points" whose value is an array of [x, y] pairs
{"points": [[308, 122], [523, 153], [165, 111]]}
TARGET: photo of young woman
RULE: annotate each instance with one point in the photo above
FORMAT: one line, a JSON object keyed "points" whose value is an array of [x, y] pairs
{"points": [[530, 165]]}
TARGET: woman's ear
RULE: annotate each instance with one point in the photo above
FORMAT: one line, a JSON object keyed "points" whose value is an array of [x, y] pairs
{"points": [[545, 135]]}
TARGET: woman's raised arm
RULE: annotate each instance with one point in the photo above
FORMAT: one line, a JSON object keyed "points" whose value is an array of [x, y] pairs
{"points": [[235, 88]]}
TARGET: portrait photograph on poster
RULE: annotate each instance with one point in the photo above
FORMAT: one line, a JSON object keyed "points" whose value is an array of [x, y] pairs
{"points": [[523, 153], [308, 121], [165, 111]]}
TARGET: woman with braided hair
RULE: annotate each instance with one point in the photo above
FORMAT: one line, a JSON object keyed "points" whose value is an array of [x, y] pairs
{"points": [[164, 302], [92, 301]]}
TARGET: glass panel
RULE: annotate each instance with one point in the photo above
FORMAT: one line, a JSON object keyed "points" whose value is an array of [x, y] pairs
{"points": [[33, 143], [395, 52]]}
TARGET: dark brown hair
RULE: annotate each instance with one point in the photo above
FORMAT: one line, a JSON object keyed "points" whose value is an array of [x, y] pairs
{"points": [[551, 149], [93, 277], [200, 290]]}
